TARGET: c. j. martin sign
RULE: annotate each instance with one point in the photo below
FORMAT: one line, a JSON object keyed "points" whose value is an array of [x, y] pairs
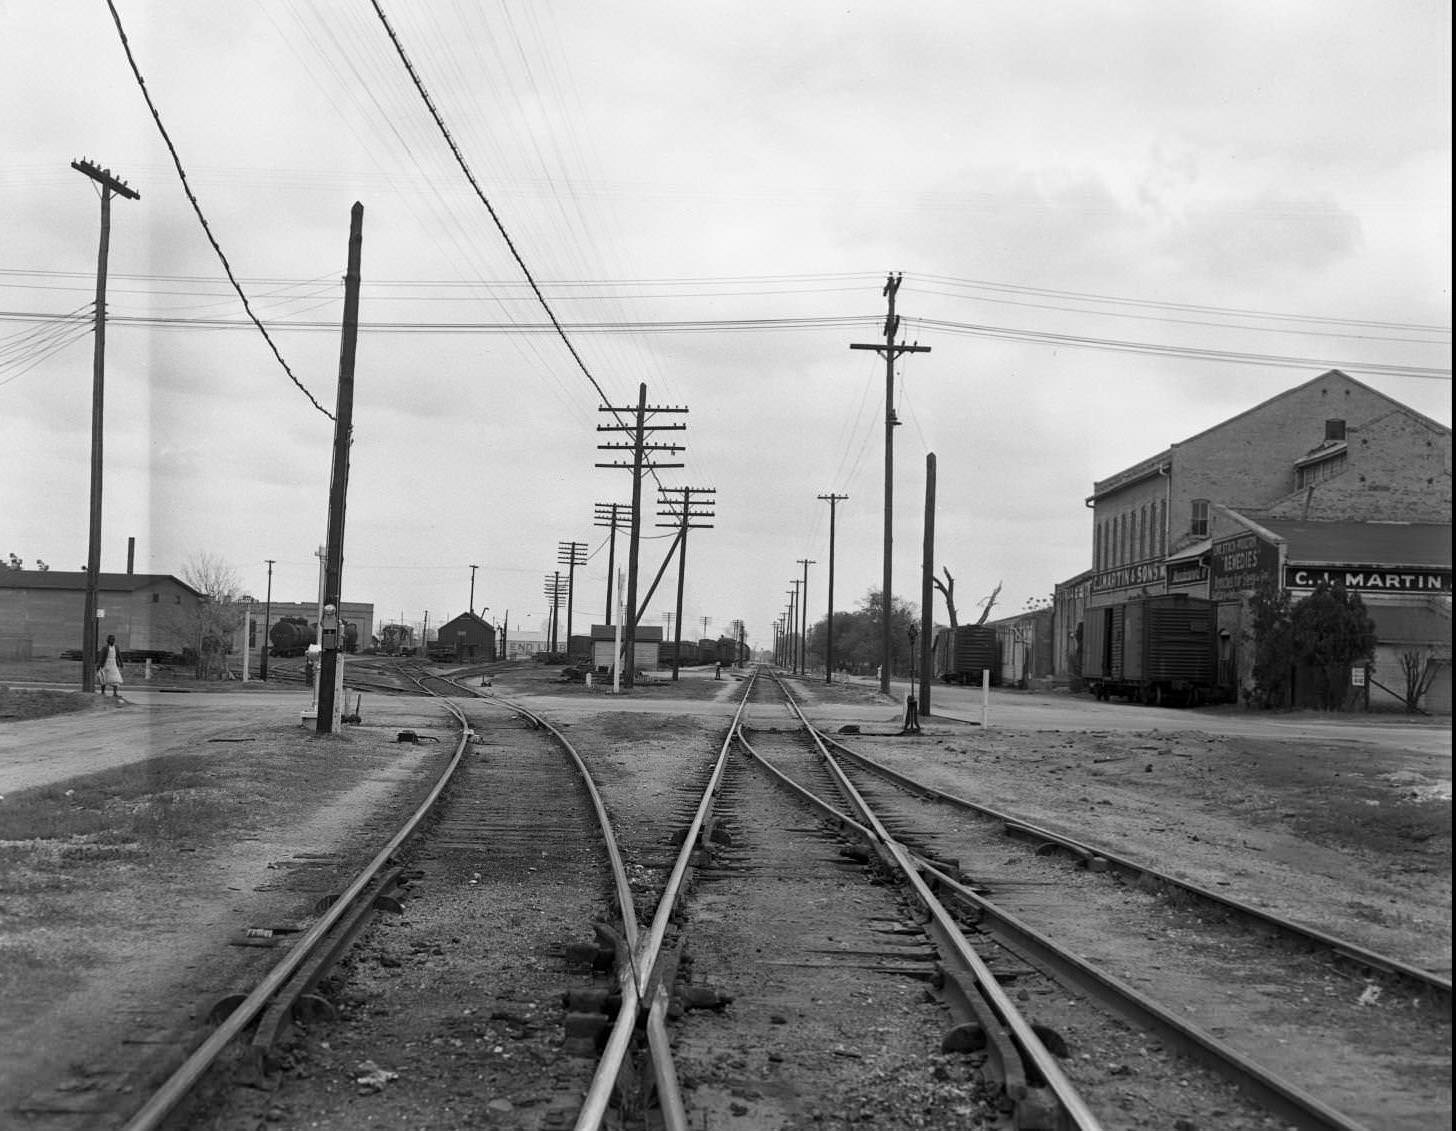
{"points": [[1369, 579]]}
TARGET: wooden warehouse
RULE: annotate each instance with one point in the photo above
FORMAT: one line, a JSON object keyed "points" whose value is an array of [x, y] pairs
{"points": [[41, 612], [467, 637]]}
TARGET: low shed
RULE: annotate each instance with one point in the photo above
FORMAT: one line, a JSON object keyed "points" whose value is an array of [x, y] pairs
{"points": [[43, 611], [604, 647], [467, 637]]}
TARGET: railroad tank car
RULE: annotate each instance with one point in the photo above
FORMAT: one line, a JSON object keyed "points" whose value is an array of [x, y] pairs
{"points": [[290, 636], [1161, 649], [961, 654]]}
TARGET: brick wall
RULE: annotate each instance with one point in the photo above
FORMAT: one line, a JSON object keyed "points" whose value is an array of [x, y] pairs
{"points": [[1248, 461], [1397, 469]]}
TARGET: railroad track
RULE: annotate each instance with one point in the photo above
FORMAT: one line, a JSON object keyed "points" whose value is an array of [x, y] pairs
{"points": [[1148, 946], [755, 926]]}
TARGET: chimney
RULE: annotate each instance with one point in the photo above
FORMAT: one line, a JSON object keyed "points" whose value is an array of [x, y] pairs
{"points": [[130, 555], [1334, 430]]}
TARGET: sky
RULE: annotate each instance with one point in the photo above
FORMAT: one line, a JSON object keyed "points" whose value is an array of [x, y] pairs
{"points": [[1117, 224]]}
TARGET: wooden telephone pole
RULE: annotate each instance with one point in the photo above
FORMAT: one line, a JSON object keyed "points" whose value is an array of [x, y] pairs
{"points": [[642, 460], [890, 350], [329, 625], [90, 638], [571, 555], [804, 618], [613, 515], [833, 500], [682, 507]]}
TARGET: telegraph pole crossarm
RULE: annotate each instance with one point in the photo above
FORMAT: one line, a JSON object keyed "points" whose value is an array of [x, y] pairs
{"points": [[889, 350]]}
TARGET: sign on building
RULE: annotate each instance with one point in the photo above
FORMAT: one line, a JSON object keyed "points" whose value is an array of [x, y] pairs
{"points": [[1238, 565], [1369, 579]]}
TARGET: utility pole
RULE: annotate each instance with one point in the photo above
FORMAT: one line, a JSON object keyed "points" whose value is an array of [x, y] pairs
{"points": [[889, 351], [267, 616], [613, 515], [339, 480], [642, 460], [110, 186], [553, 594], [794, 627], [571, 555], [682, 511], [927, 586], [472, 588], [804, 617], [833, 500]]}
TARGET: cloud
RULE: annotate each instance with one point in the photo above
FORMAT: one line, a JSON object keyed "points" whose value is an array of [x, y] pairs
{"points": [[1263, 240]]}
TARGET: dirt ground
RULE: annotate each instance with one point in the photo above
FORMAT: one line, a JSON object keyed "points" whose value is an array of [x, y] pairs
{"points": [[125, 889]]}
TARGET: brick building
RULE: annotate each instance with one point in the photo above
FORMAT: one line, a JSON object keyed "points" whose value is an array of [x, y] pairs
{"points": [[1333, 456]]}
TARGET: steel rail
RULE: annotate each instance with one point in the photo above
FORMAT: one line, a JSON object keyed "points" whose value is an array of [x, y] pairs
{"points": [[1394, 968], [1075, 1111], [185, 1078], [609, 1065], [1280, 1096], [645, 958]]}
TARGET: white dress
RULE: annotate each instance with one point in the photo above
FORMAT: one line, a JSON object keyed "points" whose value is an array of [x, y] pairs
{"points": [[111, 670]]}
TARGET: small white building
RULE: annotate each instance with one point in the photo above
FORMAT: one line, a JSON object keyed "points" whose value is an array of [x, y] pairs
{"points": [[604, 646]]}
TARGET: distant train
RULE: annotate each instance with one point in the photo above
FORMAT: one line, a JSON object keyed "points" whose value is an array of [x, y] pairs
{"points": [[397, 640], [291, 636]]}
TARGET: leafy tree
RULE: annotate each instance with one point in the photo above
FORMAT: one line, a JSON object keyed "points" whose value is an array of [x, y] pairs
{"points": [[1331, 631], [857, 643], [1273, 642], [208, 631]]}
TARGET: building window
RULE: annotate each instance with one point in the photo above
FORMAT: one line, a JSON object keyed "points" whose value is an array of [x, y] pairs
{"points": [[1160, 523], [1312, 473], [1199, 525], [156, 597], [1142, 539]]}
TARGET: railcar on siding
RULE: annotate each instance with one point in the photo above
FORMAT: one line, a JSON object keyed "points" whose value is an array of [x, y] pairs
{"points": [[1161, 650]]}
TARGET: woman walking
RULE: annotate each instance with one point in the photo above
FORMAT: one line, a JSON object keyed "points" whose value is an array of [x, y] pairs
{"points": [[108, 668]]}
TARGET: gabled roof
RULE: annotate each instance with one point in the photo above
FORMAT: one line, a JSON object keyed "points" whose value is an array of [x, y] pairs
{"points": [[1422, 545], [1139, 471], [474, 619], [76, 579]]}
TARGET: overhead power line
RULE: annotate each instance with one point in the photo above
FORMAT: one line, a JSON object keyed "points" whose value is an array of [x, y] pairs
{"points": [[479, 192], [197, 208], [771, 325]]}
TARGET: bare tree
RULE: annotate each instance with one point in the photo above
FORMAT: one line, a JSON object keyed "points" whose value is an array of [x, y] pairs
{"points": [[947, 590], [989, 603], [209, 631], [1419, 666]]}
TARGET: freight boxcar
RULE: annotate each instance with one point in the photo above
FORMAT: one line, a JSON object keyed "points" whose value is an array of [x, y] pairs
{"points": [[962, 654], [1161, 650]]}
